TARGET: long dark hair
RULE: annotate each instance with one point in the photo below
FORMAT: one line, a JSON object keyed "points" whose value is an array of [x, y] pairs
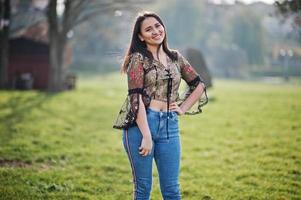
{"points": [[137, 45]]}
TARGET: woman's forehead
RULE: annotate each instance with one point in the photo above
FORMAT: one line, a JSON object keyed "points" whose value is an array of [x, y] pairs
{"points": [[149, 21]]}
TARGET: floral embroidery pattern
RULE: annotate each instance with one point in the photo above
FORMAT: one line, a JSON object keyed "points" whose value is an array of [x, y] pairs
{"points": [[188, 69], [135, 72]]}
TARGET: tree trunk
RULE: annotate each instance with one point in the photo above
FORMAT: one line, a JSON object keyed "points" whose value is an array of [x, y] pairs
{"points": [[57, 42], [4, 38], [56, 56], [59, 28]]}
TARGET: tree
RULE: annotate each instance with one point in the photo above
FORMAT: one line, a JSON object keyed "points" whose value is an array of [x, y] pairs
{"points": [[73, 12], [291, 9], [288, 6], [4, 35]]}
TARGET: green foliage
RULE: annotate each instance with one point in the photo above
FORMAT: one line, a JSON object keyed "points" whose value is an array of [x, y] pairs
{"points": [[291, 9], [245, 145], [287, 6]]}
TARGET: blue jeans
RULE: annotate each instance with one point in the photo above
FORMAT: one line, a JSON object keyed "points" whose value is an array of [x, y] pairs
{"points": [[166, 152]]}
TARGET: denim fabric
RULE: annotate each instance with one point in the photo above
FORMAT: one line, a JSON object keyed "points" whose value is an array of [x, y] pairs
{"points": [[165, 152]]}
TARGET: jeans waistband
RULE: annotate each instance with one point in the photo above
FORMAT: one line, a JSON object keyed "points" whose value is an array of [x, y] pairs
{"points": [[164, 118], [160, 113]]}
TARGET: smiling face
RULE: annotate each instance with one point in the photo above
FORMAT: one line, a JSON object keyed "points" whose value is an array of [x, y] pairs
{"points": [[152, 32]]}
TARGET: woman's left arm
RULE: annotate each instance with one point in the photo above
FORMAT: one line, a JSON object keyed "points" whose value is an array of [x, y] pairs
{"points": [[190, 101], [193, 98], [196, 88]]}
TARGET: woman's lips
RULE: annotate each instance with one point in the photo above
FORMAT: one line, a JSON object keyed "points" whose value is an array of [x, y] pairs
{"points": [[157, 37]]}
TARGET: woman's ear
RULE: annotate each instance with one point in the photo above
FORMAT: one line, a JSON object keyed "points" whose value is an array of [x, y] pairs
{"points": [[140, 37]]}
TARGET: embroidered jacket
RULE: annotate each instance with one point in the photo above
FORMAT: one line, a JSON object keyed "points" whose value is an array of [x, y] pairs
{"points": [[153, 80]]}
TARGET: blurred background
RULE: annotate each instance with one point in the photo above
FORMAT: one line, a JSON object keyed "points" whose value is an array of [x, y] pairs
{"points": [[61, 144], [48, 44]]}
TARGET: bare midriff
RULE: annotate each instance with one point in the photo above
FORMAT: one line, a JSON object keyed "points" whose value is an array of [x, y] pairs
{"points": [[158, 105]]}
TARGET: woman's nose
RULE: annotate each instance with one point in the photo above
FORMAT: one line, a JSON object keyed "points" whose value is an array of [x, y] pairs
{"points": [[156, 31]]}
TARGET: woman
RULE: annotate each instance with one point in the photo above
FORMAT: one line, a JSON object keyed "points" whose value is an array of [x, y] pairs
{"points": [[149, 116]]}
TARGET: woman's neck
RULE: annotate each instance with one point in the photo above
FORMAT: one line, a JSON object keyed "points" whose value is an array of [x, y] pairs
{"points": [[154, 49]]}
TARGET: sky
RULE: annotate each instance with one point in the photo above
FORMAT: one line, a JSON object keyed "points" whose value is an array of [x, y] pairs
{"points": [[246, 1]]}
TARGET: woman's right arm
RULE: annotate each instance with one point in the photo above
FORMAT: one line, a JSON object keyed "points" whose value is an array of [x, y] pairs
{"points": [[147, 143], [135, 74]]}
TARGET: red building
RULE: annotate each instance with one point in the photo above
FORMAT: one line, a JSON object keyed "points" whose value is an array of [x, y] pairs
{"points": [[29, 66]]}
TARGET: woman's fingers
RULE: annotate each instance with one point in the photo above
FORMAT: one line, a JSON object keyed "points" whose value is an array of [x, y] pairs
{"points": [[141, 148], [175, 107], [144, 152]]}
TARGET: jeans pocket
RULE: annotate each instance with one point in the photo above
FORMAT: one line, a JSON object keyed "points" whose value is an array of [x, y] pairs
{"points": [[153, 123], [174, 117]]}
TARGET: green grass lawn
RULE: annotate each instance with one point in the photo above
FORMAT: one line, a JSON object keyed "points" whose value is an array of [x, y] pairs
{"points": [[245, 145]]}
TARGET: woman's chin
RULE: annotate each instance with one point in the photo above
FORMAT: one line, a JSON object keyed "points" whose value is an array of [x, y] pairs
{"points": [[157, 42]]}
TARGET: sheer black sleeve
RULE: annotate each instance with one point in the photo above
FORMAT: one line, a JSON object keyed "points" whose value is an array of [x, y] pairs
{"points": [[135, 75], [129, 110], [193, 79]]}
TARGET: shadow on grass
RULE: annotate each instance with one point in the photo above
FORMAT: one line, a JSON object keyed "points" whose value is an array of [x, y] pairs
{"points": [[17, 107]]}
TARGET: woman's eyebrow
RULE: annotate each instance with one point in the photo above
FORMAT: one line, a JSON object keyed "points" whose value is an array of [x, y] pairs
{"points": [[148, 27], [153, 25]]}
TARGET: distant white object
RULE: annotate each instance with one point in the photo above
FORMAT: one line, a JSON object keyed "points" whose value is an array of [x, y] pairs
{"points": [[118, 13]]}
